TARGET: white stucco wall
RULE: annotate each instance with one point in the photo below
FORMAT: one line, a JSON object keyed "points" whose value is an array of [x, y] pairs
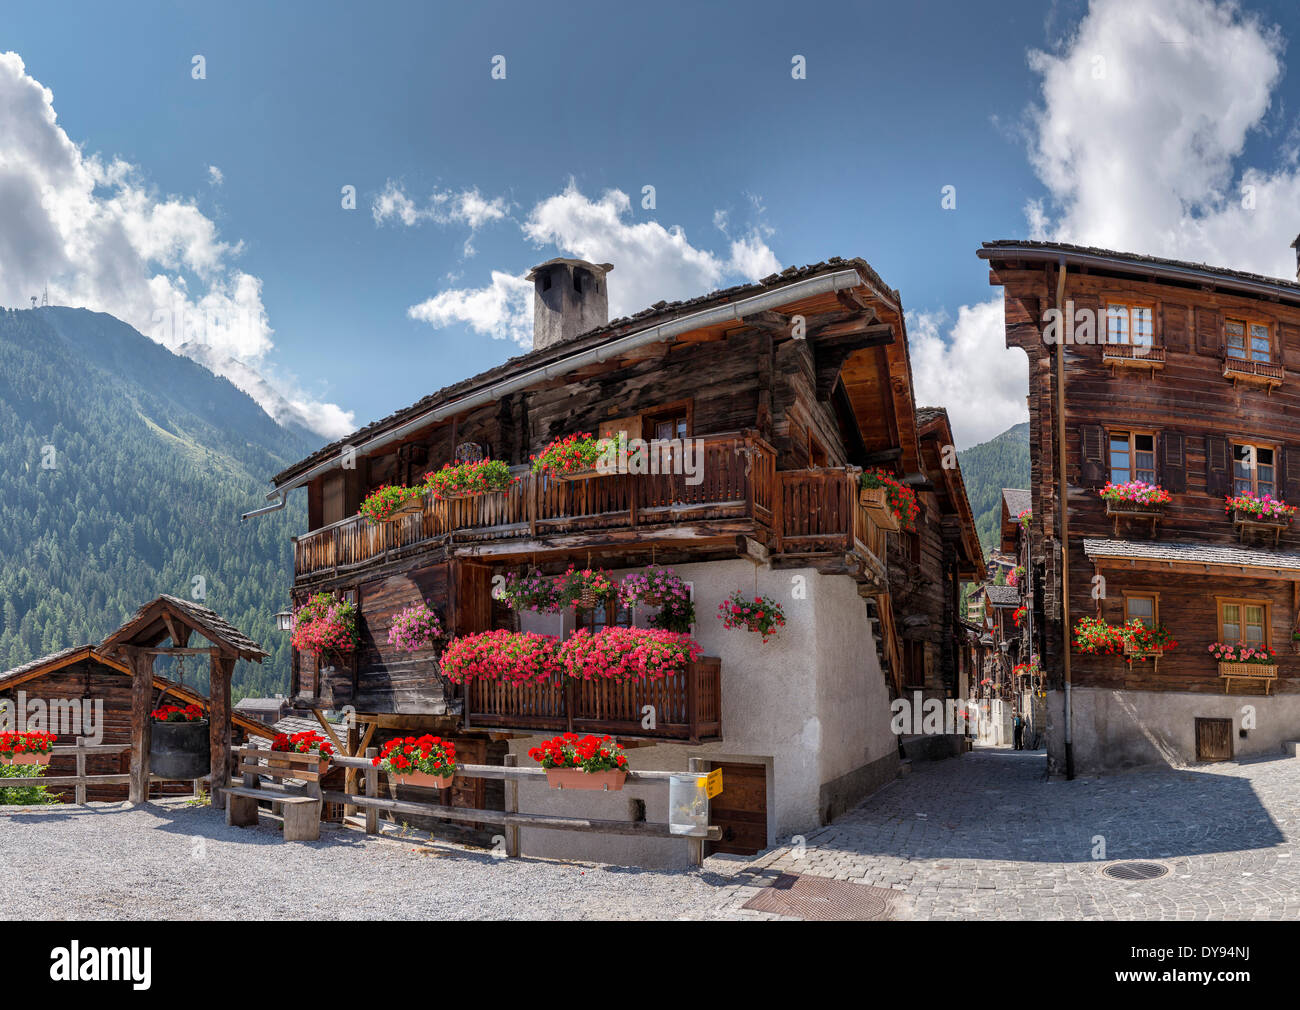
{"points": [[1114, 730], [811, 704]]}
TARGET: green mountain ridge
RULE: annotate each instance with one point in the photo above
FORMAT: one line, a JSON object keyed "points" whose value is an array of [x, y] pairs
{"points": [[1002, 461], [154, 458]]}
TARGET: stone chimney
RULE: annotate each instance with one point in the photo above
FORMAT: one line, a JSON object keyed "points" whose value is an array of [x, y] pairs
{"points": [[569, 298]]}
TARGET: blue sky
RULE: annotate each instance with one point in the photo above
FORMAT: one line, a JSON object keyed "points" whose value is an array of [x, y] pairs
{"points": [[696, 99]]}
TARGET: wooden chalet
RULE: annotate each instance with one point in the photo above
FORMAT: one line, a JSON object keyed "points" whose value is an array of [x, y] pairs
{"points": [[83, 680], [790, 387], [1184, 376]]}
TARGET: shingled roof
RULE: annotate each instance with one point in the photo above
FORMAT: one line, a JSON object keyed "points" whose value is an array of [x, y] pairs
{"points": [[991, 250], [1003, 596], [53, 661], [1017, 500], [660, 312], [205, 621], [1220, 555]]}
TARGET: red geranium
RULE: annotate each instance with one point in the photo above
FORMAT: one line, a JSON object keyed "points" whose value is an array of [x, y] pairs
{"points": [[173, 713], [26, 743], [590, 753], [431, 755], [307, 742]]}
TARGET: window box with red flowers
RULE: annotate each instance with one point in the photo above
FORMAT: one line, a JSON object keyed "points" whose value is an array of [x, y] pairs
{"points": [[1259, 512], [325, 624], [307, 742], [1018, 614], [415, 629], [1135, 499], [179, 743], [510, 657], [1142, 642], [469, 480], [1242, 661], [1015, 576], [625, 655], [589, 762], [891, 503], [26, 748], [390, 502], [573, 457], [426, 761], [760, 615]]}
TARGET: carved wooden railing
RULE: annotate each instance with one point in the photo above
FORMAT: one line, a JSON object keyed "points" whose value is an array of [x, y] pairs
{"points": [[687, 706], [1265, 373], [736, 478], [818, 513]]}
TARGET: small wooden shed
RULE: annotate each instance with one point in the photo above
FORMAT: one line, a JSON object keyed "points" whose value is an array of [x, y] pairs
{"points": [[81, 676], [139, 641]]}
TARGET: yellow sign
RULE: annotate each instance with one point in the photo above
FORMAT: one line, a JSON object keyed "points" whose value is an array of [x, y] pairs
{"points": [[711, 783]]}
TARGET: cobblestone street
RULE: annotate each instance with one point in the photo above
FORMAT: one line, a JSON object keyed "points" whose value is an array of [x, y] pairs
{"points": [[987, 836]]}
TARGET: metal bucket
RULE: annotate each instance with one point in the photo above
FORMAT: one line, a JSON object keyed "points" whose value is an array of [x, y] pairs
{"points": [[180, 750]]}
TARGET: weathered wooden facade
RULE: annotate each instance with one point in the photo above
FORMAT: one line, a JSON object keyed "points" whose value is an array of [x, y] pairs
{"points": [[1180, 375], [81, 681], [789, 388]]}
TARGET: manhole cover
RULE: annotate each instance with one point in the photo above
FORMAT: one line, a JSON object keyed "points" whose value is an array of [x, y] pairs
{"points": [[822, 899], [1134, 870]]}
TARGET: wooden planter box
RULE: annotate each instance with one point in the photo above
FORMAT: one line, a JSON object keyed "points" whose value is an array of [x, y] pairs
{"points": [[1256, 672], [1132, 652], [1118, 510], [41, 760], [289, 767], [425, 781], [1245, 523], [460, 495], [576, 778], [576, 474], [407, 508], [876, 501]]}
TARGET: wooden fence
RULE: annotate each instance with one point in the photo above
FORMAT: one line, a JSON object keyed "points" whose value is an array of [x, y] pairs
{"points": [[80, 780]]}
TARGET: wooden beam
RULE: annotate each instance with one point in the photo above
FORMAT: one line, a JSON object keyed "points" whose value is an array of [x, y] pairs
{"points": [[220, 671], [141, 664]]}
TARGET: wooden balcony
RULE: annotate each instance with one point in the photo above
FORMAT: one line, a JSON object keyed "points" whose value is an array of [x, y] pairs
{"points": [[1254, 373], [687, 707], [1142, 356], [736, 481], [810, 513]]}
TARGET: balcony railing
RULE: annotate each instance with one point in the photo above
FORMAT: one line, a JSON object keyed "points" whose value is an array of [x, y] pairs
{"points": [[1259, 373], [1133, 356], [687, 706], [736, 479], [800, 512]]}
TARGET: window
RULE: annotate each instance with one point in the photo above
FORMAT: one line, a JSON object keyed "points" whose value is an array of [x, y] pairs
{"points": [[669, 425], [1244, 621], [1141, 607], [1130, 324], [1132, 456], [1254, 469], [608, 615], [1248, 340]]}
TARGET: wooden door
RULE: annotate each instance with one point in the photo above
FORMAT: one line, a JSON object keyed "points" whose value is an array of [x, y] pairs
{"points": [[1213, 739], [740, 810]]}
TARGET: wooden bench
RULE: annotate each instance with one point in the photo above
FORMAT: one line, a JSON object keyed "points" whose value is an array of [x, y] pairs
{"points": [[301, 811]]}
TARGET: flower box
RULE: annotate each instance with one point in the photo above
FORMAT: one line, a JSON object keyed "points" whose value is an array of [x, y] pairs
{"points": [[410, 507], [573, 457], [470, 480], [389, 503], [43, 760], [1240, 516], [291, 768], [425, 781], [1247, 671], [576, 778], [875, 501]]}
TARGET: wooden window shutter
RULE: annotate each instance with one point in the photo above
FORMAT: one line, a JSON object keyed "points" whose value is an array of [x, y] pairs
{"points": [[1173, 462], [1218, 478], [1289, 340], [1093, 446], [1209, 334], [1289, 465], [1175, 321]]}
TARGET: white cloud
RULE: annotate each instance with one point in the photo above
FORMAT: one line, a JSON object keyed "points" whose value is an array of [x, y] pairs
{"points": [[651, 263], [968, 370], [1144, 116], [215, 176], [93, 231], [468, 207]]}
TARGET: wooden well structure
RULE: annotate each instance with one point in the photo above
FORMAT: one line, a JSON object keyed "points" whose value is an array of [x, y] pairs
{"points": [[139, 642]]}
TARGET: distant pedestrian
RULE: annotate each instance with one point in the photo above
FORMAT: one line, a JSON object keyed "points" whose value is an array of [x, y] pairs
{"points": [[1018, 732]]}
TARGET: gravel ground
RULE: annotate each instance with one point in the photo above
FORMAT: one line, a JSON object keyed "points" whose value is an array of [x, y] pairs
{"points": [[170, 861]]}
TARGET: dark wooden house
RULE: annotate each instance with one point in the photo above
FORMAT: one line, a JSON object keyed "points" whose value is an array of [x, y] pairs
{"points": [[789, 388], [1184, 376]]}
